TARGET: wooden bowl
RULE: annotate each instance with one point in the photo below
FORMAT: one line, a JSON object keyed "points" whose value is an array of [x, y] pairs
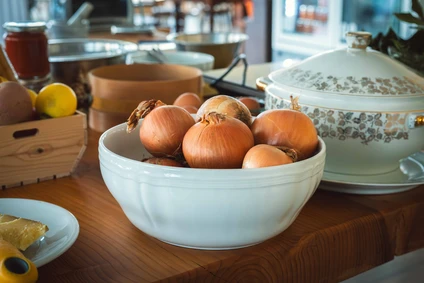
{"points": [[101, 121], [118, 89]]}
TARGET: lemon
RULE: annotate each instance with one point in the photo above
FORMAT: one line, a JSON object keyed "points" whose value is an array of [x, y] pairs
{"points": [[56, 100], [3, 79], [32, 95]]}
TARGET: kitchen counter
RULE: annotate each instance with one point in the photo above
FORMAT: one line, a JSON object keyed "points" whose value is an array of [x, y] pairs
{"points": [[335, 236]]}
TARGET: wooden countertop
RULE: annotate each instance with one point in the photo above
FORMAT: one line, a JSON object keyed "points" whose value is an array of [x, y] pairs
{"points": [[336, 236]]}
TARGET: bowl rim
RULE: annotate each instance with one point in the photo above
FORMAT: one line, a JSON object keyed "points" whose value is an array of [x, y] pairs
{"points": [[174, 38], [196, 74], [122, 127], [206, 58], [129, 47]]}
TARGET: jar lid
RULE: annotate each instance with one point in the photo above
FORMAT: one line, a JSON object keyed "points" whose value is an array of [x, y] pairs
{"points": [[25, 26], [351, 74]]}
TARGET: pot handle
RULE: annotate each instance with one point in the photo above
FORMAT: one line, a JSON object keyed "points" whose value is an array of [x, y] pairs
{"points": [[236, 60], [262, 83], [415, 120]]}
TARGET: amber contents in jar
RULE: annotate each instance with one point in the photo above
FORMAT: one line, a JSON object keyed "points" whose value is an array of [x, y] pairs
{"points": [[27, 48]]}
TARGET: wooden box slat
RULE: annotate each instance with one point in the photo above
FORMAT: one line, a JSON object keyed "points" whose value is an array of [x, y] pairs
{"points": [[52, 152]]}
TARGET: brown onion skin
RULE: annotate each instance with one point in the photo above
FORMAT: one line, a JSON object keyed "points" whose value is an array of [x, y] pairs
{"points": [[228, 106], [264, 155], [162, 130], [287, 128], [164, 161], [217, 142], [190, 109], [252, 104], [188, 98]]}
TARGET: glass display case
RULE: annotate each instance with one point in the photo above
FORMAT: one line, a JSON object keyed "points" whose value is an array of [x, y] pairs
{"points": [[302, 28]]}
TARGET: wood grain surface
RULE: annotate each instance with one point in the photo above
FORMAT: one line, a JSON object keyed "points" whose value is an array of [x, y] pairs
{"points": [[336, 236], [41, 149]]}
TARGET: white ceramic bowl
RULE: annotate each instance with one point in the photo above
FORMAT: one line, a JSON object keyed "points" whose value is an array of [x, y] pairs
{"points": [[205, 208], [198, 60]]}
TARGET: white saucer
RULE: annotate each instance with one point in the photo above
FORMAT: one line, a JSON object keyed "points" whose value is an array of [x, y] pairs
{"points": [[63, 227], [409, 175]]}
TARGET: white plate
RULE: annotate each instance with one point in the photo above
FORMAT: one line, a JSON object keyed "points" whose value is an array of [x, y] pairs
{"points": [[63, 227], [409, 175]]}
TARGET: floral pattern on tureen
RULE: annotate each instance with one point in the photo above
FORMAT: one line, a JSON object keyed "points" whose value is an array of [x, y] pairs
{"points": [[365, 127], [308, 79]]}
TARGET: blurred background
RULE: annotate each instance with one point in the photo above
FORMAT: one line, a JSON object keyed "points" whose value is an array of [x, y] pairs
{"points": [[304, 27], [278, 29]]}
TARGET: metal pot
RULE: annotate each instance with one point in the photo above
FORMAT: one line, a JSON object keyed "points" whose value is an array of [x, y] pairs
{"points": [[72, 59], [224, 46]]}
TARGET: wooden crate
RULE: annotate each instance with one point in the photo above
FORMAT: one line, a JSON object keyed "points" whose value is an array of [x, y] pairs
{"points": [[35, 151]]}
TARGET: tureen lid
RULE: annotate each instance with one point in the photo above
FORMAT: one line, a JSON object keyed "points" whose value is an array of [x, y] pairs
{"points": [[353, 74]]}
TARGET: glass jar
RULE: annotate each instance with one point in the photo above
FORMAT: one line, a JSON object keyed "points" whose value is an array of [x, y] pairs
{"points": [[27, 48]]}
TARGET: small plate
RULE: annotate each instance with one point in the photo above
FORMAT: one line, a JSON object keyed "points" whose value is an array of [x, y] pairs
{"points": [[409, 175], [63, 227]]}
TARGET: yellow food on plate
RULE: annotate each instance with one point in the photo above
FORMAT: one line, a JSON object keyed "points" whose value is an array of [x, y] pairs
{"points": [[3, 79], [20, 232], [14, 266], [56, 100]]}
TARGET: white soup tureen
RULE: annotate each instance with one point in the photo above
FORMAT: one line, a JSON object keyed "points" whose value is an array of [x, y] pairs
{"points": [[367, 107]]}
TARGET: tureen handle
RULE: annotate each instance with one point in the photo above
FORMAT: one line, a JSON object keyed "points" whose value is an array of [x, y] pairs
{"points": [[262, 83], [416, 120], [358, 39]]}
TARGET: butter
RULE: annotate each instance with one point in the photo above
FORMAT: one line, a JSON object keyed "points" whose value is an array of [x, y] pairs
{"points": [[20, 232]]}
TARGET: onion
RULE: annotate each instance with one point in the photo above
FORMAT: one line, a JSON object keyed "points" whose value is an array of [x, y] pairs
{"points": [[264, 155], [287, 128], [188, 98], [190, 109], [143, 108], [217, 141], [252, 104], [163, 161], [228, 106], [163, 130]]}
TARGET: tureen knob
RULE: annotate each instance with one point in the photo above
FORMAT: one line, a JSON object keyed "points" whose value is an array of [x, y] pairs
{"points": [[358, 39]]}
